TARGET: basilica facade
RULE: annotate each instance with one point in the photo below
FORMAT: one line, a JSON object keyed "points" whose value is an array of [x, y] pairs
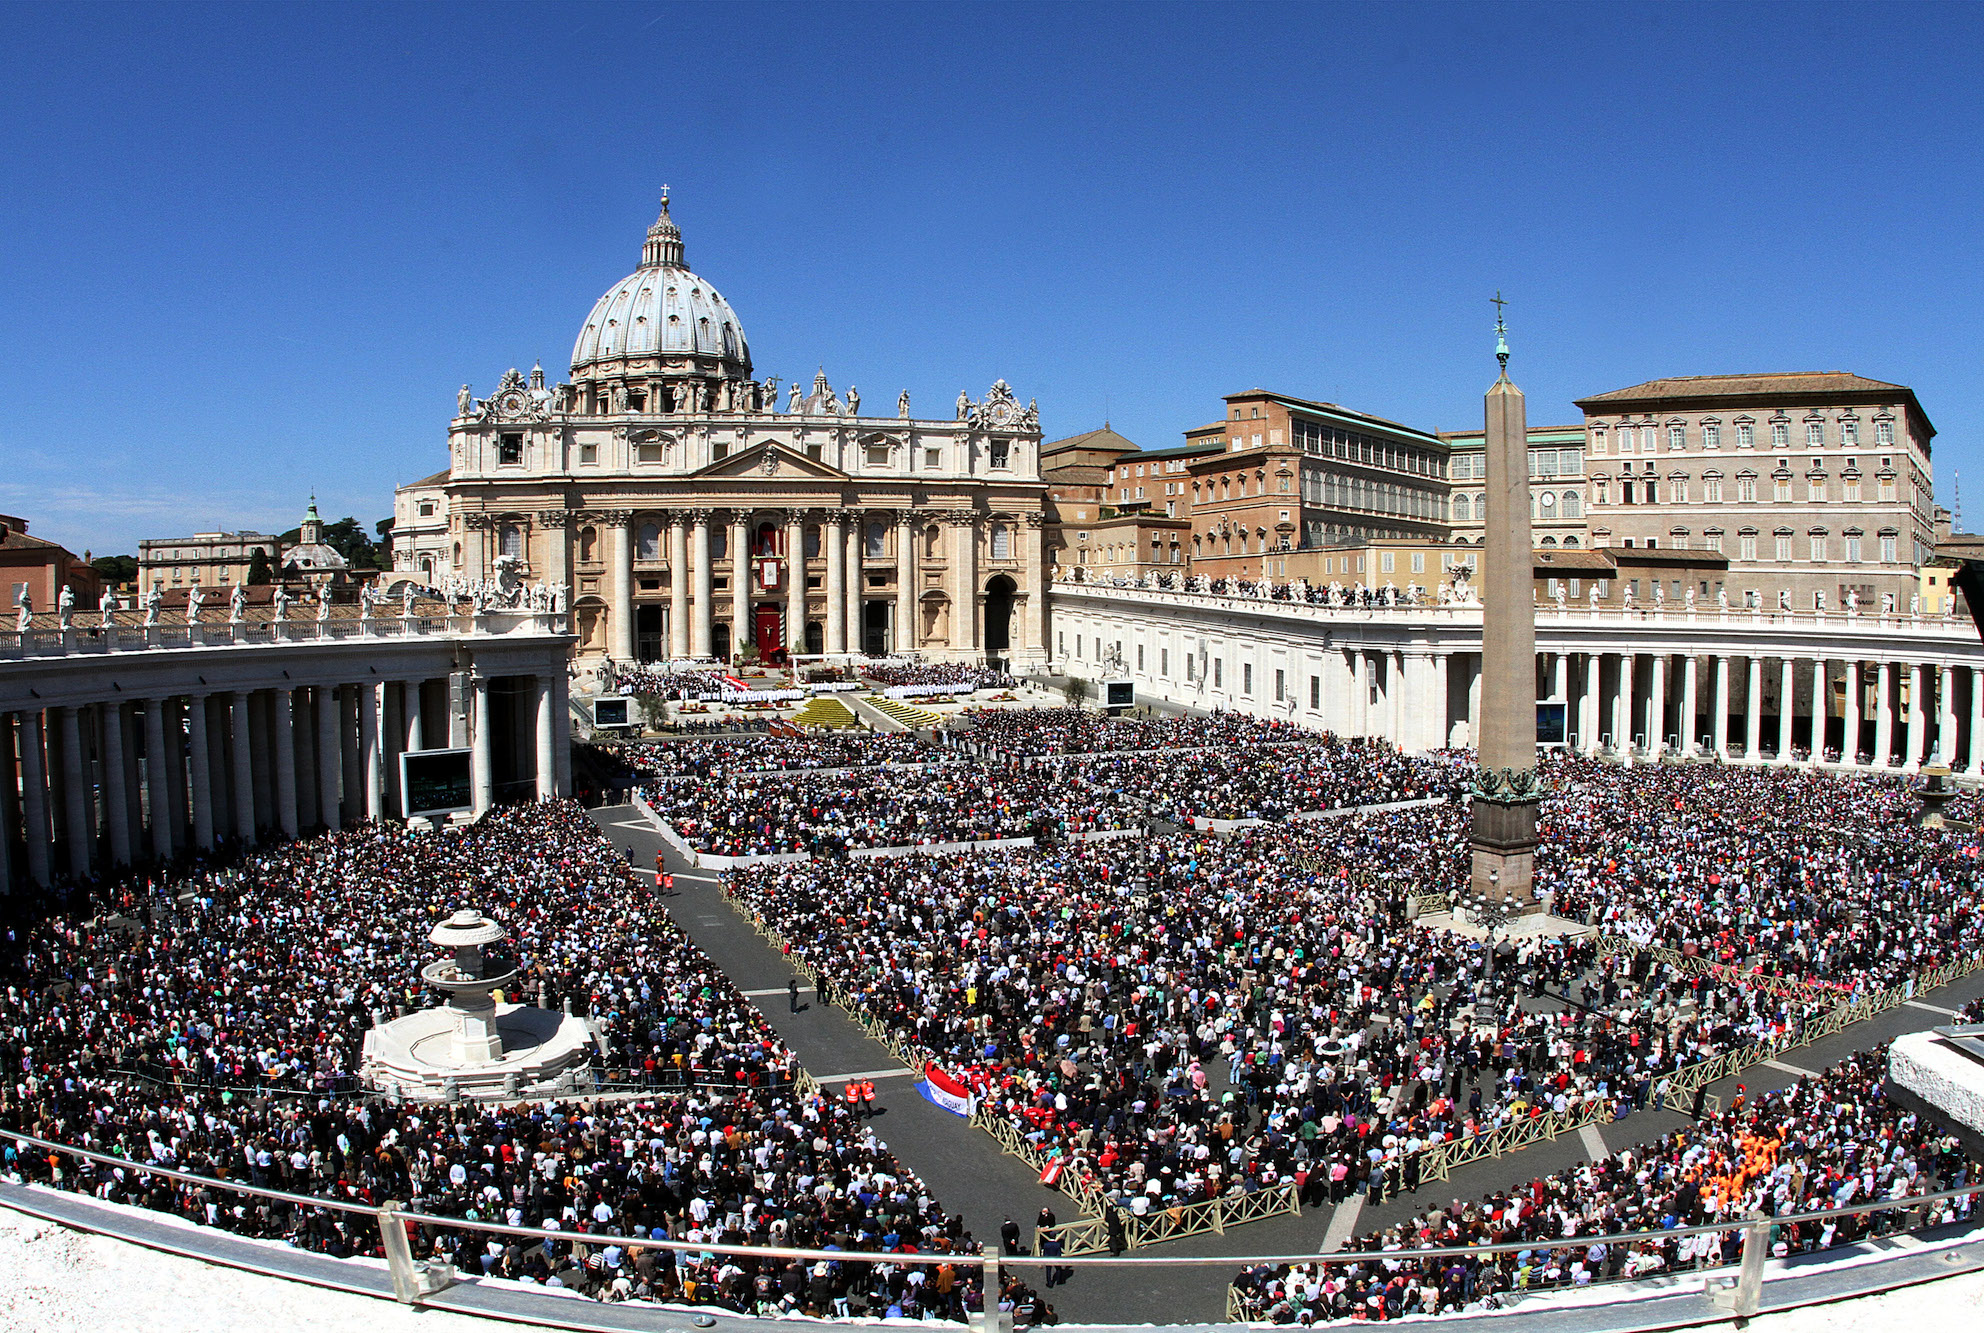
{"points": [[687, 514]]}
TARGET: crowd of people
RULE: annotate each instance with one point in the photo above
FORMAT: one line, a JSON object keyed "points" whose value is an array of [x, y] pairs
{"points": [[1068, 730], [831, 814], [210, 1019], [939, 673], [1273, 782], [1828, 1141], [664, 683], [1187, 1016], [788, 750]]}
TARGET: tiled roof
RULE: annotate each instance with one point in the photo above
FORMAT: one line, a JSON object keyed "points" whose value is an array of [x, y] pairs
{"points": [[1782, 384], [1101, 438]]}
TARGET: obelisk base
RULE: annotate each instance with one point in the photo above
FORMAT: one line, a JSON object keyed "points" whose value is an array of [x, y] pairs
{"points": [[1503, 841]]}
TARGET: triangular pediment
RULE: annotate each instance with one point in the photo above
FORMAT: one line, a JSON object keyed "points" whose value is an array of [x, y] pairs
{"points": [[770, 462]]}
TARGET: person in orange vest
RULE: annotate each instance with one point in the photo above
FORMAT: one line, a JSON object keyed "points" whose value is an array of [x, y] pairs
{"points": [[868, 1098], [853, 1096]]}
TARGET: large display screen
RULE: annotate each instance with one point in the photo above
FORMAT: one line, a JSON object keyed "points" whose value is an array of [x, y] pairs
{"points": [[1552, 727], [435, 782], [609, 712], [1119, 693]]}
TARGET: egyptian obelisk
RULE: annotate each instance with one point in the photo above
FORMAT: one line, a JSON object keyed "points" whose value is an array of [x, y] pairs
{"points": [[1503, 830]]}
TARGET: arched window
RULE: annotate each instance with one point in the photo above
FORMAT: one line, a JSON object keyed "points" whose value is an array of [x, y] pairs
{"points": [[1462, 512], [1570, 541], [1548, 541], [588, 544], [811, 543], [1573, 505], [719, 542], [876, 541], [647, 542], [510, 540], [1002, 542]]}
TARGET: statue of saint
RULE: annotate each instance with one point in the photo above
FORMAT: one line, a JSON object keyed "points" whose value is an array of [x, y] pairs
{"points": [[464, 402], [196, 597], [902, 404], [152, 601], [794, 402], [853, 401], [281, 603], [65, 606], [24, 610], [323, 602], [106, 605], [964, 405], [236, 602]]}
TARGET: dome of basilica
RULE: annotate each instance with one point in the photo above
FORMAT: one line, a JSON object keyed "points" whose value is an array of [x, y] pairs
{"points": [[661, 311]]}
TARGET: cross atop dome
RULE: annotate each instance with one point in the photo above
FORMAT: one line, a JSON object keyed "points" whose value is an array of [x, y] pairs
{"points": [[663, 247]]}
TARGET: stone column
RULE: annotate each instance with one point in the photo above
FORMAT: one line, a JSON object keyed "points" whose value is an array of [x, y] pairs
{"points": [[329, 752], [116, 812], [155, 779], [620, 584], [1627, 735], [1787, 706], [416, 732], [1856, 694], [547, 755], [1656, 707], [1356, 719], [1946, 717], [678, 586], [905, 635], [1690, 702], [795, 581], [176, 794], [1474, 700], [1588, 712], [702, 621], [965, 577], [1821, 706], [34, 799], [392, 740], [241, 752], [202, 795], [1883, 715], [1976, 765], [6, 810], [1438, 704], [75, 796], [1911, 758], [1560, 676], [1753, 711], [1034, 590], [740, 583], [283, 724], [370, 758], [482, 773], [852, 549], [1721, 720], [554, 535], [833, 546]]}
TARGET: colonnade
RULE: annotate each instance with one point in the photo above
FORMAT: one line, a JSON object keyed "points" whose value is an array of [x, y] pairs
{"points": [[107, 783], [1858, 713], [1864, 693], [830, 587]]}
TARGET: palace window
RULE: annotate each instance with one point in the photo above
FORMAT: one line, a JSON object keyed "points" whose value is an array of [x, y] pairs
{"points": [[874, 541], [1712, 540], [1781, 488], [1001, 449], [1780, 435], [1815, 435], [1002, 542], [1677, 436], [1745, 435], [1573, 505], [647, 542], [1746, 544], [1746, 488], [1884, 433], [509, 450], [1887, 488], [1889, 543], [1852, 546], [427, 509], [1818, 547], [588, 454], [878, 453], [510, 540], [1711, 435], [1783, 536], [1849, 432], [1815, 490]]}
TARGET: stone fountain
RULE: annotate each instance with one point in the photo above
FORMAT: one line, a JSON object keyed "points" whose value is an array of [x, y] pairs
{"points": [[474, 1044]]}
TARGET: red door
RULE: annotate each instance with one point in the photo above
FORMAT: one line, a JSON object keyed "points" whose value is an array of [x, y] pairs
{"points": [[771, 643]]}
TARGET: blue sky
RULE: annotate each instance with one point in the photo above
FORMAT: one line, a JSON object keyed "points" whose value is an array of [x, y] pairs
{"points": [[251, 251]]}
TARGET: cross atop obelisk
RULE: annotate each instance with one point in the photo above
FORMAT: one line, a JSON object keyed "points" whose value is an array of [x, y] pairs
{"points": [[1503, 821]]}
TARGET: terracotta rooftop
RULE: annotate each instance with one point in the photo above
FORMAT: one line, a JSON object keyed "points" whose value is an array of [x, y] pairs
{"points": [[1728, 386]]}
